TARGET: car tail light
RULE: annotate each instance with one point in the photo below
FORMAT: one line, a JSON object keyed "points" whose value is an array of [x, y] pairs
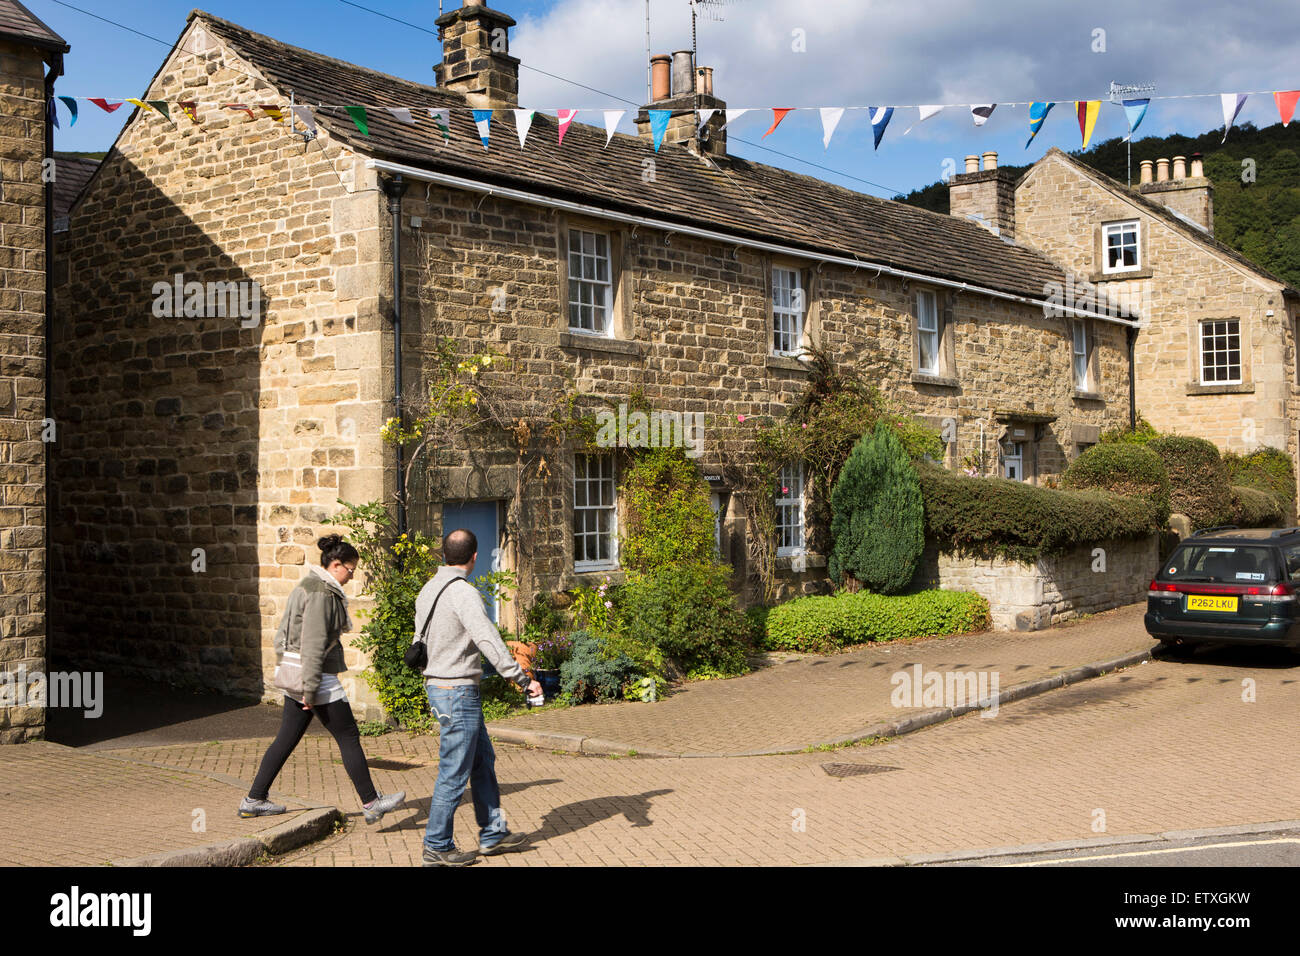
{"points": [[1282, 589]]}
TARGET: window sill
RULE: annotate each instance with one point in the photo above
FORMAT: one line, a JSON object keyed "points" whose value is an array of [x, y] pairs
{"points": [[784, 562], [1083, 396], [942, 381], [1241, 388], [786, 362], [601, 343], [1121, 276]]}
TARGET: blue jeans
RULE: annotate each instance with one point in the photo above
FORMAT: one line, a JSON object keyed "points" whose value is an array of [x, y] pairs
{"points": [[465, 755]]}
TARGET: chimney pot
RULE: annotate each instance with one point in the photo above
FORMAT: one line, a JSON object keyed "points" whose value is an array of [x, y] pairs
{"points": [[1162, 170], [683, 73], [1198, 169], [972, 164], [1180, 167], [708, 81], [660, 66], [1146, 176], [990, 160]]}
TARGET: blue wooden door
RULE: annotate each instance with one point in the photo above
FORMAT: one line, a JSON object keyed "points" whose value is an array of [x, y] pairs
{"points": [[481, 518]]}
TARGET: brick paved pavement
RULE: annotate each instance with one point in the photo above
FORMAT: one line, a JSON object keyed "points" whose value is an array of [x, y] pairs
{"points": [[811, 699], [1163, 745]]}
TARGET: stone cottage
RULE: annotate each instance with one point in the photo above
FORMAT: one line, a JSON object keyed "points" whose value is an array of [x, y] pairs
{"points": [[31, 58], [1216, 355], [200, 450]]}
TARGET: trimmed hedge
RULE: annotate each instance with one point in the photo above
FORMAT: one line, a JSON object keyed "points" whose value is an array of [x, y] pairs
{"points": [[997, 517], [1265, 469], [1252, 508], [825, 623], [1198, 479], [1125, 469]]}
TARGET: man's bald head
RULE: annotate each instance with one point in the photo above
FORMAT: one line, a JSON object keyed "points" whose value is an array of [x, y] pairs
{"points": [[459, 547]]}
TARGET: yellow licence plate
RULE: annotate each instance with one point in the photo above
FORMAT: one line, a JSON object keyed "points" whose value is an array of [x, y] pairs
{"points": [[1206, 602]]}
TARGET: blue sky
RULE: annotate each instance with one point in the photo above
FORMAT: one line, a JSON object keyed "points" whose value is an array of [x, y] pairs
{"points": [[768, 53]]}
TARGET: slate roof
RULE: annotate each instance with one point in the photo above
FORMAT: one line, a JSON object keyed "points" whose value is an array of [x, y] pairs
{"points": [[1165, 214], [19, 23], [736, 196], [71, 173]]}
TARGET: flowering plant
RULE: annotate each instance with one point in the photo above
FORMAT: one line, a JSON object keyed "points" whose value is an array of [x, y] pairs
{"points": [[549, 655]]}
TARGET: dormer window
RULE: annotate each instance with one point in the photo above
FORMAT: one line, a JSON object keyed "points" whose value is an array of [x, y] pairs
{"points": [[1120, 247]]}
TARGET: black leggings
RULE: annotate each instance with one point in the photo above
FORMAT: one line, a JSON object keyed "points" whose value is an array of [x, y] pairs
{"points": [[338, 720]]}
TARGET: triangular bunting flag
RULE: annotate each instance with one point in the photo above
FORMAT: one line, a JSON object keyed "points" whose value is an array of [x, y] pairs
{"points": [[71, 104], [1037, 113], [705, 116], [304, 116], [358, 114], [239, 106], [272, 111], [483, 120], [142, 104], [658, 125], [51, 114], [980, 112], [1134, 111], [442, 120], [831, 116], [777, 116], [612, 119], [161, 107], [191, 109], [1232, 104], [523, 123], [104, 105], [402, 115], [1087, 110], [733, 115], [925, 113], [879, 120], [1285, 105], [565, 117]]}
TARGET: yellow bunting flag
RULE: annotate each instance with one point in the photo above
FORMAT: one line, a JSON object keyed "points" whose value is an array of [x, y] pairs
{"points": [[1087, 110]]}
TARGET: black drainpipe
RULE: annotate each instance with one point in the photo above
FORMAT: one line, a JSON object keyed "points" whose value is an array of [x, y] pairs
{"points": [[1132, 383], [56, 70], [394, 187]]}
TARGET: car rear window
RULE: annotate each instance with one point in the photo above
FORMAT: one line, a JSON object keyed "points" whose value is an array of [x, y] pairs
{"points": [[1221, 564]]}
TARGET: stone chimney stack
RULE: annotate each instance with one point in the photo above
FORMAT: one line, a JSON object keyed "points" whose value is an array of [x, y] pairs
{"points": [[1191, 196], [678, 85], [476, 58], [986, 195]]}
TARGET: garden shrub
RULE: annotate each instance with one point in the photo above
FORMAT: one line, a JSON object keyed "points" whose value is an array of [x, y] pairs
{"points": [[997, 517], [1252, 508], [1140, 435], [688, 612], [877, 515], [843, 619], [590, 675], [1125, 469], [668, 518], [1265, 469], [1198, 479]]}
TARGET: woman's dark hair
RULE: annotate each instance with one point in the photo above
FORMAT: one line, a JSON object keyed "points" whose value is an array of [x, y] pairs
{"points": [[334, 548]]}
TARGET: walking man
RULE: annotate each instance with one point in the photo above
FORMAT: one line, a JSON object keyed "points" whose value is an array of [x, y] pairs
{"points": [[459, 631]]}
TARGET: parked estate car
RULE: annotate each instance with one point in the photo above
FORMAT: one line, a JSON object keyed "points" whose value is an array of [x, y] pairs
{"points": [[1228, 585]]}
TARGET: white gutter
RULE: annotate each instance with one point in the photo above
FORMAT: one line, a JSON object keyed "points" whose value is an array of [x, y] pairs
{"points": [[458, 182]]}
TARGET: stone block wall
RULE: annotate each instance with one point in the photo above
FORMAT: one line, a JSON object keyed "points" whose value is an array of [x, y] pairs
{"points": [[1025, 597], [22, 377], [230, 435]]}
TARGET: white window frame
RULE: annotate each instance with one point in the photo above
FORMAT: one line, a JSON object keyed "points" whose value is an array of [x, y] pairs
{"points": [[1121, 227], [932, 333], [788, 316], [794, 502], [1227, 349], [611, 509], [581, 261], [1018, 458], [1079, 353]]}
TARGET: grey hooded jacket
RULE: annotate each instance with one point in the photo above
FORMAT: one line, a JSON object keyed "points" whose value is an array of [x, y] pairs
{"points": [[312, 626]]}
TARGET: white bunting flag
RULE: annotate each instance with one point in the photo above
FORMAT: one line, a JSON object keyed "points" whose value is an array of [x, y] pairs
{"points": [[1232, 104], [612, 119], [705, 116], [402, 114], [732, 116], [830, 119], [926, 112], [523, 123], [980, 112], [304, 114], [442, 120]]}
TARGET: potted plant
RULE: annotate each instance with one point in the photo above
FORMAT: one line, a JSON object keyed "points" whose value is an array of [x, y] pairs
{"points": [[548, 656]]}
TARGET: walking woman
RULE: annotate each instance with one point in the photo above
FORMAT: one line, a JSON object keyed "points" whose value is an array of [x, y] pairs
{"points": [[316, 616]]}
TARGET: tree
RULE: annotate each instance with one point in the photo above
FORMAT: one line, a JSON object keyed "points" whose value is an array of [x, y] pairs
{"points": [[877, 515]]}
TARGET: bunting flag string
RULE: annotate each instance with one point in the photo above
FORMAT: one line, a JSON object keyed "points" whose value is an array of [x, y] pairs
{"points": [[658, 125], [523, 123], [239, 106], [614, 117], [483, 120], [831, 116], [1134, 110], [71, 104], [273, 112], [358, 114], [981, 112], [104, 105], [565, 117], [1232, 104], [777, 115], [402, 115], [1088, 111], [879, 120], [925, 113], [304, 116], [733, 115], [191, 109], [442, 120], [1285, 105], [1037, 113]]}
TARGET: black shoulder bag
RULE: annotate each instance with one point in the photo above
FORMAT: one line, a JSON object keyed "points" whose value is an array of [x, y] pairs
{"points": [[417, 655]]}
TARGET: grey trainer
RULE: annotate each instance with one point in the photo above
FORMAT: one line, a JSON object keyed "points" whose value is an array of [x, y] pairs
{"points": [[452, 857], [382, 804], [511, 841], [248, 807]]}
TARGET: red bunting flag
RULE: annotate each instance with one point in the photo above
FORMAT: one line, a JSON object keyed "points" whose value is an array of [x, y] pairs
{"points": [[1286, 104], [777, 116], [239, 106], [190, 108], [105, 105]]}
